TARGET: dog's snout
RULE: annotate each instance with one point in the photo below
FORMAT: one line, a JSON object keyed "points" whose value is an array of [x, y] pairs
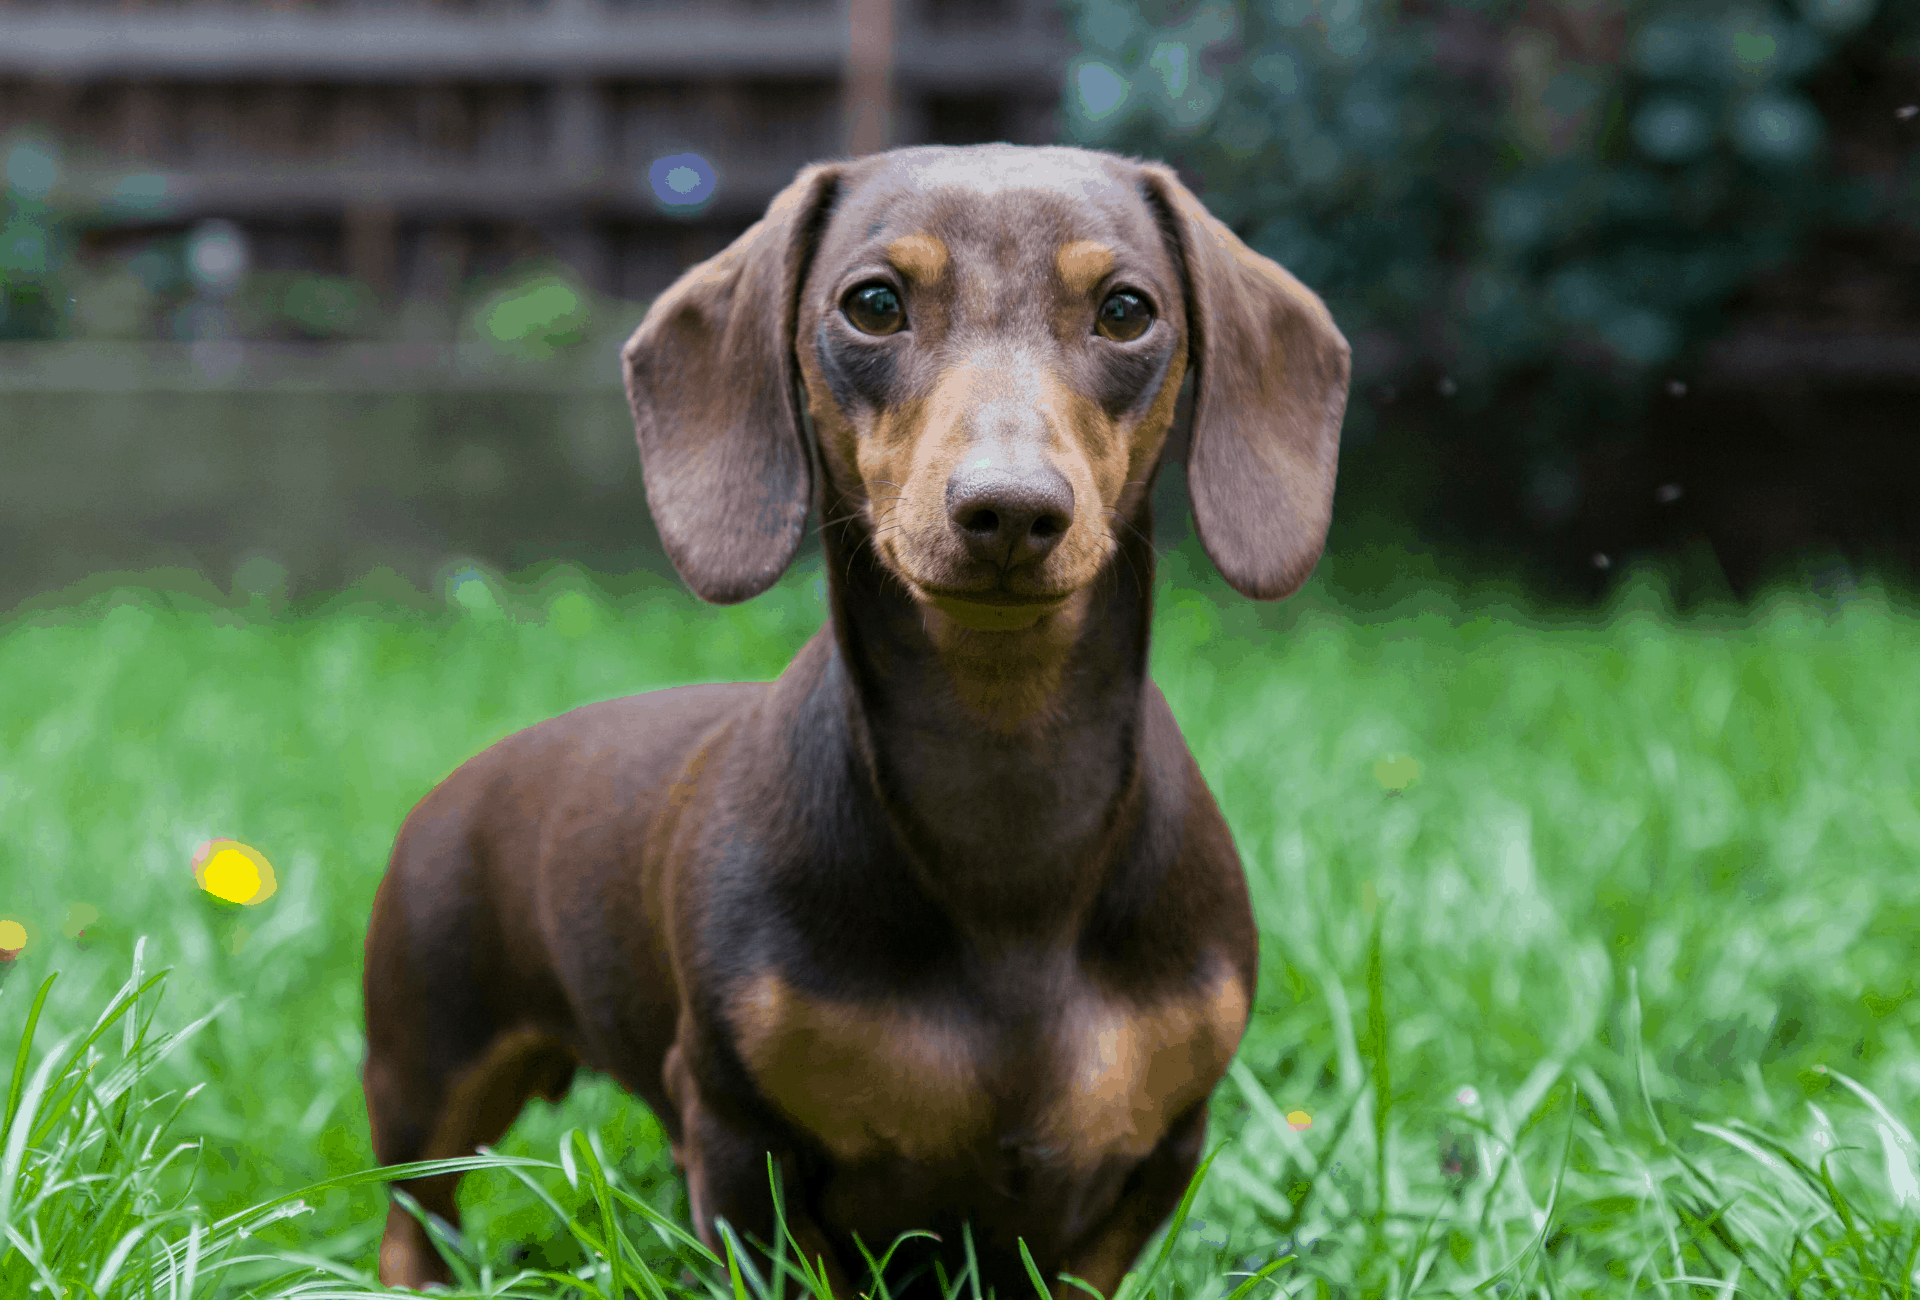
{"points": [[1009, 517]]}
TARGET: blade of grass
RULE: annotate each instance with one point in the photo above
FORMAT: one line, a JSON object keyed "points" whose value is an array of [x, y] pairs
{"points": [[1377, 1048], [450, 1247], [777, 1250], [1245, 1289], [190, 1270], [735, 1251], [569, 1280], [1084, 1285], [1887, 1117], [1415, 1271], [16, 1135], [118, 1255], [34, 1257], [1136, 1284], [527, 1180], [878, 1269], [1809, 1180], [1553, 1197], [21, 1056], [1855, 1241], [1639, 1053], [1033, 1272], [617, 1248], [119, 1007], [667, 1226]]}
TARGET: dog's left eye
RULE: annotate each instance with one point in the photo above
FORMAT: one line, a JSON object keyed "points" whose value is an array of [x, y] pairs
{"points": [[874, 309], [1124, 316]]}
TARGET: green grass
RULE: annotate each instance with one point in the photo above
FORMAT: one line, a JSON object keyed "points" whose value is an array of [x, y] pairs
{"points": [[1613, 993]]}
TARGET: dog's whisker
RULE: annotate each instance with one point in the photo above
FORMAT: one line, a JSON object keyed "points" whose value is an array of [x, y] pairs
{"points": [[1129, 525]]}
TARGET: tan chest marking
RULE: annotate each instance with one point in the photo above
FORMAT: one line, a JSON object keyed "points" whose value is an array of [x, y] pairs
{"points": [[866, 1079], [1132, 1071]]}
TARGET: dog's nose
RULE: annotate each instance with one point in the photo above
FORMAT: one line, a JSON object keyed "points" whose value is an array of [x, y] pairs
{"points": [[1010, 517]]}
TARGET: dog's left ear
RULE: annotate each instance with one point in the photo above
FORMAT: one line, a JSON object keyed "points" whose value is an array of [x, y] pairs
{"points": [[710, 376], [1270, 393]]}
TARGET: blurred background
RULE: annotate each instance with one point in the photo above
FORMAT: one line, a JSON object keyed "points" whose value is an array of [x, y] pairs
{"points": [[295, 292]]}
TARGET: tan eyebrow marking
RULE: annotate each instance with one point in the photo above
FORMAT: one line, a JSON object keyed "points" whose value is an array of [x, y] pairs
{"points": [[921, 258], [1082, 263]]}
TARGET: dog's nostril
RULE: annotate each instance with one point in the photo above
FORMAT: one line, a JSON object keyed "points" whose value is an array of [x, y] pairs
{"points": [[981, 521], [1044, 527]]}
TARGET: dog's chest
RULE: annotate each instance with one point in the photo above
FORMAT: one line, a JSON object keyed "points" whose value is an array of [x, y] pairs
{"points": [[1090, 1078]]}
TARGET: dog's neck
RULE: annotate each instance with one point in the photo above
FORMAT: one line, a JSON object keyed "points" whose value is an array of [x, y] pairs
{"points": [[1006, 760]]}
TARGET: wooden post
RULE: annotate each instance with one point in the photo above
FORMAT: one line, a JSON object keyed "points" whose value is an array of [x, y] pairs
{"points": [[869, 77], [372, 245], [140, 122], [579, 131]]}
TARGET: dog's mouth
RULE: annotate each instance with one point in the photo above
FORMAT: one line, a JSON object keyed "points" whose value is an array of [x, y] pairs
{"points": [[995, 596], [975, 593], [992, 609]]}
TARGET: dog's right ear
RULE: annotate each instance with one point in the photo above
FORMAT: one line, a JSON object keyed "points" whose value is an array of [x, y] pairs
{"points": [[711, 378], [1268, 401]]}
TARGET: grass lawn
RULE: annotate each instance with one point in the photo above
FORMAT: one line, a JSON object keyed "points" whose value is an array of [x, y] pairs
{"points": [[1589, 960]]}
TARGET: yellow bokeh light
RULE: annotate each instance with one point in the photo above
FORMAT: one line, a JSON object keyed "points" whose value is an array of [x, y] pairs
{"points": [[13, 936], [1397, 773], [1298, 1120], [234, 872], [231, 875]]}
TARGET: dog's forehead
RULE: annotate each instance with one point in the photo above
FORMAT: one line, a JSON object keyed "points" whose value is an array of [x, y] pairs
{"points": [[993, 169], [1042, 197]]}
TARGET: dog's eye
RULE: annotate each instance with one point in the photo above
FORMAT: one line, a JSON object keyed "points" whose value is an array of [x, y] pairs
{"points": [[1124, 316], [874, 309]]}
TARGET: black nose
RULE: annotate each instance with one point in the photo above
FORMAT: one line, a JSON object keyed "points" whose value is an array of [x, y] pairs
{"points": [[1010, 517]]}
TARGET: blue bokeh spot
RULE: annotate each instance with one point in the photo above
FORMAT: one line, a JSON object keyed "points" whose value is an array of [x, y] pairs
{"points": [[31, 171], [681, 180], [1101, 89], [1671, 130]]}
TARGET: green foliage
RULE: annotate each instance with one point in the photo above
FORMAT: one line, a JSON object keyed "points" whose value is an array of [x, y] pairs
{"points": [[535, 314], [90, 1198], [1536, 205], [93, 1201], [531, 313], [32, 242], [328, 306]]}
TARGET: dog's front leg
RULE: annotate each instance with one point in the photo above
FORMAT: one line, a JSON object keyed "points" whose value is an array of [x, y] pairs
{"points": [[1152, 1192], [727, 1179], [725, 1161]]}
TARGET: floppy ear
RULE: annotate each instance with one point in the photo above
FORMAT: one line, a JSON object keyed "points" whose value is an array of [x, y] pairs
{"points": [[711, 378], [1269, 396]]}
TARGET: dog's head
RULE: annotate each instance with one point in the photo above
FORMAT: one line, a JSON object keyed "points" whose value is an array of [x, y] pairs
{"points": [[990, 341]]}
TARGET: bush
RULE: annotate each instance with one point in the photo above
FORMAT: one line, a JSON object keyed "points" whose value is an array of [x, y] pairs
{"points": [[32, 245], [1538, 211], [534, 314]]}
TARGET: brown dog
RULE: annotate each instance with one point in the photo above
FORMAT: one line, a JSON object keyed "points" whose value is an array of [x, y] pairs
{"points": [[944, 918]]}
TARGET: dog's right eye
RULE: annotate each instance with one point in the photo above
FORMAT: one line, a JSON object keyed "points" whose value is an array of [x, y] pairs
{"points": [[1124, 316], [874, 309]]}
